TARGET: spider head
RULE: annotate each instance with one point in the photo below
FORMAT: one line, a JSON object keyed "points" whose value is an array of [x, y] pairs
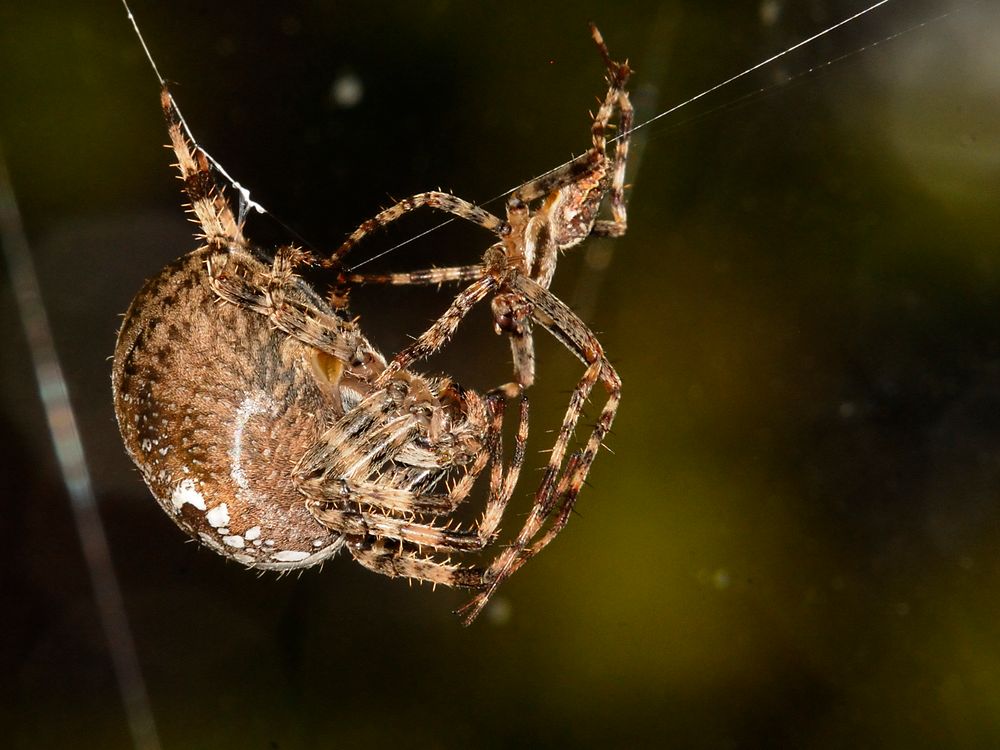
{"points": [[510, 312]]}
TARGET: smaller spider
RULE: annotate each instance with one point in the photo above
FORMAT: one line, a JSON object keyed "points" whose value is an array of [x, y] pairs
{"points": [[517, 271]]}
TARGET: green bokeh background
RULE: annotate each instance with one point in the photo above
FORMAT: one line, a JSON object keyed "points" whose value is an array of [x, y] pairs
{"points": [[795, 542]]}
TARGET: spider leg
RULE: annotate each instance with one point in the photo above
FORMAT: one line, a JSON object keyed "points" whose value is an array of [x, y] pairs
{"points": [[361, 444], [424, 277], [341, 444], [564, 324], [565, 175], [568, 174], [566, 493], [522, 349], [618, 74], [348, 520], [347, 515], [575, 182], [362, 507], [568, 489], [210, 207], [374, 555], [434, 199], [387, 498], [381, 444], [608, 228], [290, 305], [383, 542], [442, 330], [502, 483]]}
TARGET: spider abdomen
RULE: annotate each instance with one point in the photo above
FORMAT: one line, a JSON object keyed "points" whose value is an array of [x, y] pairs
{"points": [[216, 406]]}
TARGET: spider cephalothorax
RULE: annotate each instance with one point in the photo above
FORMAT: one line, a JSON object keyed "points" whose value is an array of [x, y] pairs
{"points": [[269, 428]]}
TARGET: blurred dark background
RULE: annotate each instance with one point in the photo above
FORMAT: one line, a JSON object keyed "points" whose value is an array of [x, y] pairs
{"points": [[795, 543]]}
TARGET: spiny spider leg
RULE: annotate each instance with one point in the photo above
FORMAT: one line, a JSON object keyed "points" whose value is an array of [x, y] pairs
{"points": [[288, 303], [433, 199], [502, 484], [566, 492], [352, 522], [568, 174], [567, 497], [392, 563], [373, 554], [579, 167], [442, 330], [617, 78], [284, 301], [425, 276], [549, 182], [387, 498], [344, 511], [566, 326], [209, 206]]}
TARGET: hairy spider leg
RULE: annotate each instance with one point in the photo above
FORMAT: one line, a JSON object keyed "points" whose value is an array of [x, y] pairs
{"points": [[441, 332], [208, 204], [368, 533], [564, 324], [423, 277], [433, 199], [327, 480]]}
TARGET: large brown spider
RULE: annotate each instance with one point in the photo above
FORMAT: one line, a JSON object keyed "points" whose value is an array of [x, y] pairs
{"points": [[269, 428]]}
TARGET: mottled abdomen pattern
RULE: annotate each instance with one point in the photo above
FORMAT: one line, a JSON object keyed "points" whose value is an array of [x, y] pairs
{"points": [[216, 407]]}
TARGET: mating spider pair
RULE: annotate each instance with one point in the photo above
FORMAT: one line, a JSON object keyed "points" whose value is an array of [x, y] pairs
{"points": [[268, 427]]}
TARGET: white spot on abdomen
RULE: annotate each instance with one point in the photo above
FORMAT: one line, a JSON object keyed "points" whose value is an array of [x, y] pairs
{"points": [[288, 555], [233, 541], [186, 492], [218, 516]]}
